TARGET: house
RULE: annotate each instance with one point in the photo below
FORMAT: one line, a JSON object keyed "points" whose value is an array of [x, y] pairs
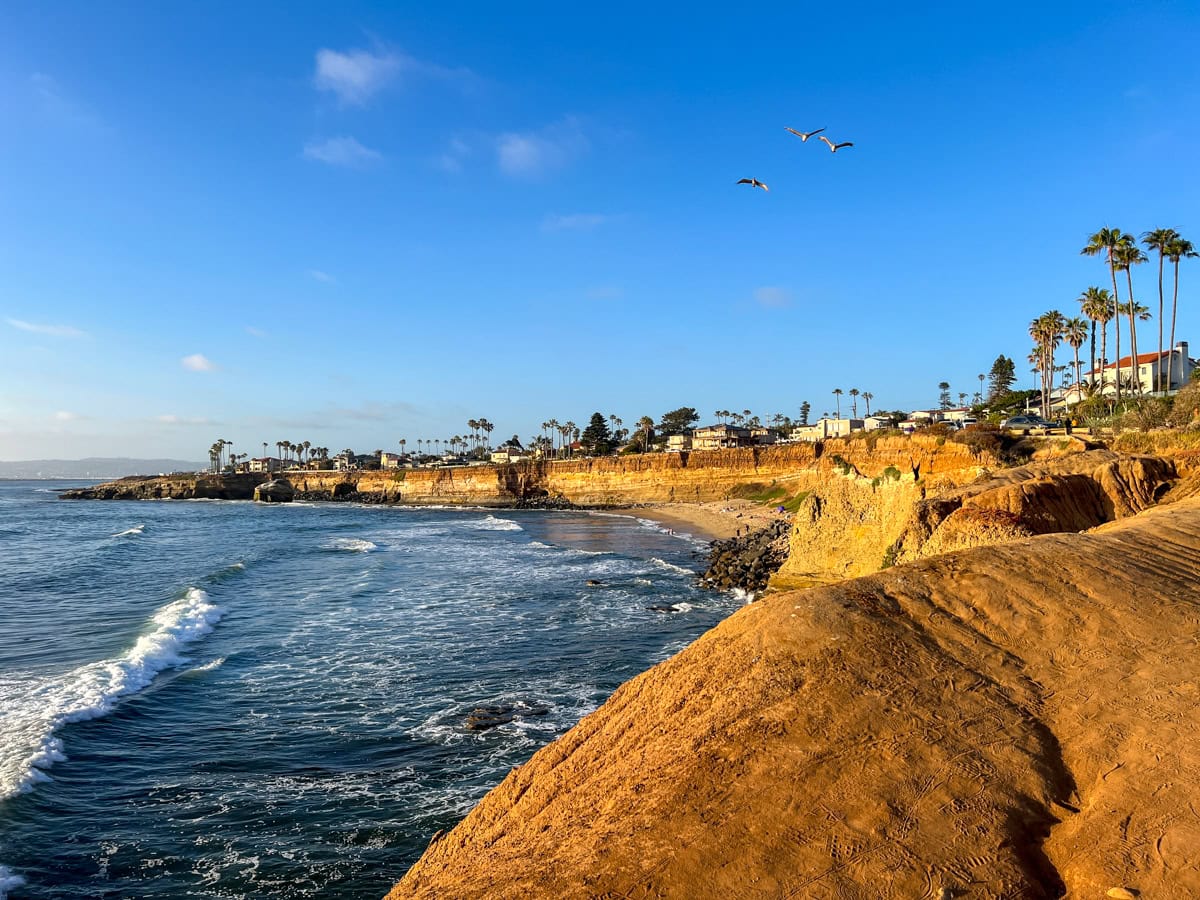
{"points": [[264, 464], [762, 435], [717, 437], [871, 423], [389, 460], [679, 442], [345, 461], [825, 427], [1172, 367], [506, 454]]}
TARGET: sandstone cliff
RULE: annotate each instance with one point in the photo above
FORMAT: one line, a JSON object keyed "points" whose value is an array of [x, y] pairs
{"points": [[1013, 720]]}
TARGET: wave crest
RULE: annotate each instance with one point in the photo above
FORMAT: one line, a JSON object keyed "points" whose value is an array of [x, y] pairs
{"points": [[32, 717]]}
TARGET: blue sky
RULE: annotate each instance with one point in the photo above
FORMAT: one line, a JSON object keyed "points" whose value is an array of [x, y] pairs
{"points": [[356, 223]]}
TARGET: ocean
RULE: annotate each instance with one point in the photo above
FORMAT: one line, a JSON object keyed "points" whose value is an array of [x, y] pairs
{"points": [[224, 699]]}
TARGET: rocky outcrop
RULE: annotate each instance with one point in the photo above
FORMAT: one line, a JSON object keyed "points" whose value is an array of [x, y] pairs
{"points": [[1014, 720], [275, 491], [853, 526], [171, 487], [747, 562]]}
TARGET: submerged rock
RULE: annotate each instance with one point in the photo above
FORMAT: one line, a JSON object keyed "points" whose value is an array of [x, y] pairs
{"points": [[481, 718]]}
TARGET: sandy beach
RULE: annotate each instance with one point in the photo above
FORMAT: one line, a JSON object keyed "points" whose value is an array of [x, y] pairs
{"points": [[715, 520]]}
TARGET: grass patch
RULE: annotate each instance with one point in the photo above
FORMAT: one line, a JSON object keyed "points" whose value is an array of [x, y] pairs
{"points": [[756, 492], [399, 475], [794, 504]]}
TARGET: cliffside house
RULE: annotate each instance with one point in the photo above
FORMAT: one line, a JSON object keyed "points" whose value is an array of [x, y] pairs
{"points": [[345, 461], [505, 455], [1173, 368], [870, 423], [389, 460], [760, 435], [826, 428], [679, 442], [718, 437], [264, 464]]}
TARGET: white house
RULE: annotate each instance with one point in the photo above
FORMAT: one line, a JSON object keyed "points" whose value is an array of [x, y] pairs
{"points": [[826, 428], [1172, 367], [716, 437]]}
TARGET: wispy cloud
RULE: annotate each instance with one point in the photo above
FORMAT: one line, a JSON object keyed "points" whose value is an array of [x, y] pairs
{"points": [[453, 157], [604, 292], [64, 416], [341, 151], [355, 75], [53, 330], [198, 362], [318, 275], [57, 107], [533, 153], [172, 419], [772, 297], [255, 332], [575, 221]]}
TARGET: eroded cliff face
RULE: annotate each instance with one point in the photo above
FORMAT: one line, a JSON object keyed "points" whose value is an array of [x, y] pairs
{"points": [[856, 525], [1014, 720]]}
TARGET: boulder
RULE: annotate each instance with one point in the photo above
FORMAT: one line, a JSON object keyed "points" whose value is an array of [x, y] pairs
{"points": [[276, 491]]}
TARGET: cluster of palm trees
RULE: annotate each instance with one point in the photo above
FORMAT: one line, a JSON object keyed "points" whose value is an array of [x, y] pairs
{"points": [[560, 435], [855, 393], [300, 452], [1100, 306]]}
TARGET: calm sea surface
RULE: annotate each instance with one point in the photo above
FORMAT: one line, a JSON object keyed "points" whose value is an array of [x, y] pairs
{"points": [[219, 699]]}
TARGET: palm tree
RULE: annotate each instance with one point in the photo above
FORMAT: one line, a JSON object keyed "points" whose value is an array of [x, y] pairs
{"points": [[554, 427], [854, 402], [645, 425], [1180, 248], [1076, 332], [1046, 331], [1160, 239], [487, 429], [1106, 241], [867, 398], [1126, 257], [473, 424], [569, 435], [1096, 304], [837, 393], [979, 396]]}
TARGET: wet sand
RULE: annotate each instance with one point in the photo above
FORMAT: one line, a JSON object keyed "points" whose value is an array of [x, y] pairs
{"points": [[715, 520]]}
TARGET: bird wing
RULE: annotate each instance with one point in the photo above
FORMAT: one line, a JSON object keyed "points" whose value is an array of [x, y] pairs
{"points": [[798, 134], [818, 131], [844, 144], [761, 185], [745, 181], [827, 141]]}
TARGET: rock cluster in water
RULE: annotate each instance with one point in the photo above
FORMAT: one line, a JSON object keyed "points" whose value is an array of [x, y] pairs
{"points": [[748, 561]]}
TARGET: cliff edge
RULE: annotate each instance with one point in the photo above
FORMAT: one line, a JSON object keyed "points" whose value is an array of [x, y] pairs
{"points": [[1012, 720]]}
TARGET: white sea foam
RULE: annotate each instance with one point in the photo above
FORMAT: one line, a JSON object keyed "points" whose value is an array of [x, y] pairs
{"points": [[670, 567], [356, 545], [136, 529], [8, 881], [743, 595], [31, 715], [491, 523], [208, 666]]}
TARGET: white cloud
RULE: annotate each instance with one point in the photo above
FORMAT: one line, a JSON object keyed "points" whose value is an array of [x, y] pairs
{"points": [[198, 362], [172, 419], [355, 75], [55, 330], [451, 160], [341, 151], [318, 275], [772, 297], [63, 416], [255, 332], [534, 153], [574, 221]]}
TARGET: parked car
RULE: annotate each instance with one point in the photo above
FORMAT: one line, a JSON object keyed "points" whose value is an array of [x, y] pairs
{"points": [[1027, 421]]}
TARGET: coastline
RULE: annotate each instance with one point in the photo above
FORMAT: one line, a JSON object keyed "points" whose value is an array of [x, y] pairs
{"points": [[710, 521]]}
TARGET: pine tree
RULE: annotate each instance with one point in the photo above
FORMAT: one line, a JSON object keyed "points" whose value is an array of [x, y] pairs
{"points": [[805, 409], [1001, 377], [597, 437]]}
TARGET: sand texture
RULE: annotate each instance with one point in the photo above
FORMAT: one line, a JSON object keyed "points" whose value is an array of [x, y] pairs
{"points": [[1017, 720]]}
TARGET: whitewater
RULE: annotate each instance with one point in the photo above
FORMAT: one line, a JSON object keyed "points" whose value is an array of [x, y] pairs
{"points": [[230, 699]]}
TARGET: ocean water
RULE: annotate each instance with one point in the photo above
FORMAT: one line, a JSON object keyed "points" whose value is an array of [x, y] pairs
{"points": [[223, 699]]}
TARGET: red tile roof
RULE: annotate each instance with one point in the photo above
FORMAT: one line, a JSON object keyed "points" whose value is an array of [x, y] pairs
{"points": [[1124, 361]]}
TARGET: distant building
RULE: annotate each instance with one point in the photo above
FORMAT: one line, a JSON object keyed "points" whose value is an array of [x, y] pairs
{"points": [[871, 423], [761, 435], [679, 442], [389, 460], [505, 455], [717, 437], [826, 428], [345, 461], [264, 464]]}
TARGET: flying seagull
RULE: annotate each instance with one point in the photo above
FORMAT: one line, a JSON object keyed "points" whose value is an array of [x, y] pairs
{"points": [[833, 148], [753, 182], [804, 135]]}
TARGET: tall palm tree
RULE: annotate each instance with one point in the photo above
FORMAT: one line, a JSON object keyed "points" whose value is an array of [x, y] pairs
{"points": [[1076, 332], [979, 396], [867, 398], [854, 402], [554, 429], [1125, 258], [1160, 239], [837, 393], [1105, 242], [1047, 332], [1096, 304], [473, 424], [1180, 248], [645, 425]]}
